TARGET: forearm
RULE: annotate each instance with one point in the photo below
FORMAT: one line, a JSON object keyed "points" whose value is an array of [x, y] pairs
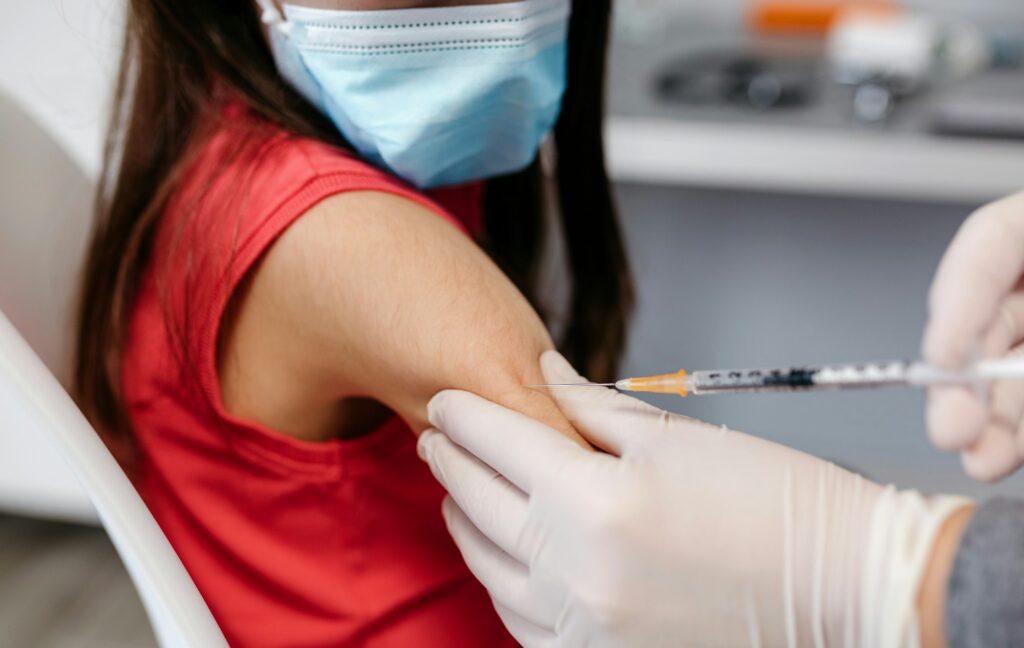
{"points": [[984, 603], [931, 600]]}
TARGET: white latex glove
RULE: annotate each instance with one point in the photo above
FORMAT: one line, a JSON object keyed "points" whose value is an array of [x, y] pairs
{"points": [[684, 534], [977, 309]]}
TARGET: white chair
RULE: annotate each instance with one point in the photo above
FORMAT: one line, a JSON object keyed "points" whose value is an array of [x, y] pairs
{"points": [[33, 402], [43, 225]]}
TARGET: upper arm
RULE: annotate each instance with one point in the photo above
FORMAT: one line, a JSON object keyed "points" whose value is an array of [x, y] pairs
{"points": [[370, 295]]}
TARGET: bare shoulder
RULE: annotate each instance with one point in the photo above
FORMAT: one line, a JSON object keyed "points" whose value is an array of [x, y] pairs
{"points": [[376, 266], [356, 218], [372, 295], [350, 237]]}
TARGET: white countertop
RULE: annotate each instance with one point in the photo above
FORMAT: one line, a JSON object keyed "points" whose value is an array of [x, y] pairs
{"points": [[658, 150]]}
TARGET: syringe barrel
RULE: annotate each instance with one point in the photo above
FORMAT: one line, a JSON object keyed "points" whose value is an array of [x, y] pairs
{"points": [[750, 380], [790, 379]]}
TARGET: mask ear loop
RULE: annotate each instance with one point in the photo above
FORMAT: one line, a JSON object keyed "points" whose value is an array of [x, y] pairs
{"points": [[271, 17]]}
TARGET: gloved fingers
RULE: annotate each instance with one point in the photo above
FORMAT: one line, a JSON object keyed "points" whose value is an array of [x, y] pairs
{"points": [[956, 417], [1008, 329], [1007, 402], [987, 432], [606, 418], [515, 445], [506, 578], [527, 633], [994, 456], [496, 507], [997, 451], [979, 269]]}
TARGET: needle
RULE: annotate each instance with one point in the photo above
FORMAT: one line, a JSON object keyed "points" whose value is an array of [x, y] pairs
{"points": [[577, 385]]}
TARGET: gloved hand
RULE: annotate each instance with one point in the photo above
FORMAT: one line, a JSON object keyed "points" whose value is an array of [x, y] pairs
{"points": [[977, 309], [683, 534]]}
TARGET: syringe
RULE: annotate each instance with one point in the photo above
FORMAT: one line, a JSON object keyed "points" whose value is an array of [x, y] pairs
{"points": [[870, 375]]}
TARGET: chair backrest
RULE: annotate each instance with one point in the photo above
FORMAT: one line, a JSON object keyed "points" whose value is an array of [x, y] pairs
{"points": [[44, 224], [33, 402], [45, 221]]}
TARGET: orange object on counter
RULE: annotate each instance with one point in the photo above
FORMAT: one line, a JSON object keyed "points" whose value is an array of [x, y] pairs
{"points": [[809, 17]]}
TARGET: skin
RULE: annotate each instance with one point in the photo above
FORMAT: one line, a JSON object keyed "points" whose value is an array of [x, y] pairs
{"points": [[370, 300], [931, 597]]}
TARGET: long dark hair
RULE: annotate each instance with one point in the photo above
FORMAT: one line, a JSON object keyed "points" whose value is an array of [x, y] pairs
{"points": [[176, 54]]}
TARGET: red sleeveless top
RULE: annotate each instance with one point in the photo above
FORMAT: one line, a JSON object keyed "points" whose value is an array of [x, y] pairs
{"points": [[291, 543]]}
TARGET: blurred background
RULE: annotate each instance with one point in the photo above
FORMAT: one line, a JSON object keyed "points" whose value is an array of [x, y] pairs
{"points": [[789, 174]]}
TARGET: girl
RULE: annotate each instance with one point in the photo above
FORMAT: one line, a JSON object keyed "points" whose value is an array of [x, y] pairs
{"points": [[289, 261]]}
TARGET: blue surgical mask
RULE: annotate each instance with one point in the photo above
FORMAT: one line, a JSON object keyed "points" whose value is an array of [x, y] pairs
{"points": [[438, 95]]}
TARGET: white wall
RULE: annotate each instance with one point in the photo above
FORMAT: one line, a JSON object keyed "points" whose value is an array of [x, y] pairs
{"points": [[57, 59]]}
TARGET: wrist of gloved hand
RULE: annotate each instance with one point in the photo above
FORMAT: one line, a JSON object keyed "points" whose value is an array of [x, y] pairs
{"points": [[897, 550], [680, 532]]}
